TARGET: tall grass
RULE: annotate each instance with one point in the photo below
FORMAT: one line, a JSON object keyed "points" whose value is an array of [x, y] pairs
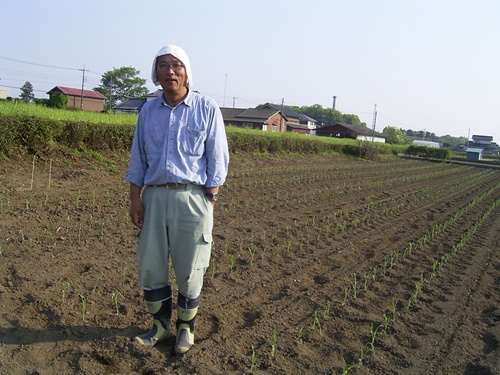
{"points": [[20, 108]]}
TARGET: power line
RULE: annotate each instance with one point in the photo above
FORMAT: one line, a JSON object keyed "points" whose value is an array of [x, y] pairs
{"points": [[14, 87], [32, 63], [44, 65]]}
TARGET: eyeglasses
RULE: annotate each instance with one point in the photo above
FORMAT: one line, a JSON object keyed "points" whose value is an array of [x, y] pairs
{"points": [[176, 66]]}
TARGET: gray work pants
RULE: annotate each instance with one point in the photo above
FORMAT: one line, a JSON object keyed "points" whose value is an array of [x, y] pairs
{"points": [[177, 224]]}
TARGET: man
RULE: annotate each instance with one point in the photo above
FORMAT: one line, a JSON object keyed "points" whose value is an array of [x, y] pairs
{"points": [[179, 159]]}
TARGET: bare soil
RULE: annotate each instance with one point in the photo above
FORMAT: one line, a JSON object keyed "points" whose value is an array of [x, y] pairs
{"points": [[320, 265]]}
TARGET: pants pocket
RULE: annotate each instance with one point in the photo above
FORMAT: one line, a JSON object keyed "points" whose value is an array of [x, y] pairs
{"points": [[203, 257]]}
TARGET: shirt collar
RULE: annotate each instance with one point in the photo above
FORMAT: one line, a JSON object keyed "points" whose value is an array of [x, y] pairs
{"points": [[188, 100]]}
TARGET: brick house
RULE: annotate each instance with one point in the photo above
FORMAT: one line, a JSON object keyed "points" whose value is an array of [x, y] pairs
{"points": [[265, 119], [87, 100]]}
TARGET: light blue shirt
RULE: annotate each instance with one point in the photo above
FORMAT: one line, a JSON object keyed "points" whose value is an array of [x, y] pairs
{"points": [[184, 144]]}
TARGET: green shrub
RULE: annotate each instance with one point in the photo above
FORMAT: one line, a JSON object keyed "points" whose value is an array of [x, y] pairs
{"points": [[428, 152], [42, 135]]}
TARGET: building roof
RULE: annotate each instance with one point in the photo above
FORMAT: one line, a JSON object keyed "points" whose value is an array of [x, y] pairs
{"points": [[304, 117], [287, 111], [131, 104], [484, 137], [76, 92], [358, 129], [229, 113], [248, 115], [475, 150]]}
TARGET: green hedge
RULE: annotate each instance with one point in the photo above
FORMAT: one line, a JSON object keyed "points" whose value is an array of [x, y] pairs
{"points": [[32, 134], [41, 135], [428, 152]]}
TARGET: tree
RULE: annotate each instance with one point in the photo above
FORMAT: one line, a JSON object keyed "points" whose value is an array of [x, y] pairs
{"points": [[352, 119], [327, 116], [59, 101], [27, 92], [394, 135], [120, 84]]}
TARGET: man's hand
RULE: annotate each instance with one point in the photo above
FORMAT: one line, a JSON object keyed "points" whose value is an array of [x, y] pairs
{"points": [[136, 208], [136, 213]]}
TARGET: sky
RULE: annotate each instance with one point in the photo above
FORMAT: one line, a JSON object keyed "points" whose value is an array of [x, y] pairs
{"points": [[431, 65]]}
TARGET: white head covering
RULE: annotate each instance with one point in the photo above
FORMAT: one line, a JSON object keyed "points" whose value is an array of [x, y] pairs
{"points": [[178, 53]]}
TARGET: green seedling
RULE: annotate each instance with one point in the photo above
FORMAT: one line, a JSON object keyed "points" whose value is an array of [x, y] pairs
{"points": [[361, 358], [114, 297], [373, 336], [316, 322], [64, 291], [354, 285], [83, 299], [387, 321], [327, 312], [366, 277], [254, 359], [98, 278], [345, 367], [252, 254], [213, 269], [232, 261], [124, 275], [300, 334], [78, 196], [276, 335], [347, 291]]}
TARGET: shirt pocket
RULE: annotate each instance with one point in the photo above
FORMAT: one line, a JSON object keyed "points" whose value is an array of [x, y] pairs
{"points": [[193, 140], [154, 138]]}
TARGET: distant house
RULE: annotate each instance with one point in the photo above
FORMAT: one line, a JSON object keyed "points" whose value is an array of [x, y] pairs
{"points": [[134, 105], [306, 125], [87, 100], [341, 130], [270, 117], [485, 143], [265, 119], [292, 116], [474, 153]]}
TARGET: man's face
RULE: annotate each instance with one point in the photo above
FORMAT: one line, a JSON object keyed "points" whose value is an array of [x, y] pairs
{"points": [[171, 74]]}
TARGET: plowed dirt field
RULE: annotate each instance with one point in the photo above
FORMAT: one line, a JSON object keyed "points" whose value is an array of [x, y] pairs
{"points": [[320, 265]]}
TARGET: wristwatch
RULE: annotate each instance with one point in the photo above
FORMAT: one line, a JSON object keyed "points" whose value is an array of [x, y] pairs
{"points": [[212, 196]]}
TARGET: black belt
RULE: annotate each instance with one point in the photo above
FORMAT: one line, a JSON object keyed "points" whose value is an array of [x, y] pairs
{"points": [[176, 186]]}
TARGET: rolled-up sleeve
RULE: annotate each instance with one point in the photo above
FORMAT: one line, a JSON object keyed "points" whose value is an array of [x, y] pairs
{"points": [[137, 169], [217, 151]]}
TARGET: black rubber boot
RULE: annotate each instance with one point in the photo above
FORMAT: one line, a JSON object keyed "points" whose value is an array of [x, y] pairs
{"points": [[186, 316], [159, 304]]}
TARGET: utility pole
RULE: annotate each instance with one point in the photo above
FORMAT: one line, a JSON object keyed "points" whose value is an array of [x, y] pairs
{"points": [[334, 101], [374, 121], [281, 112], [83, 81]]}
